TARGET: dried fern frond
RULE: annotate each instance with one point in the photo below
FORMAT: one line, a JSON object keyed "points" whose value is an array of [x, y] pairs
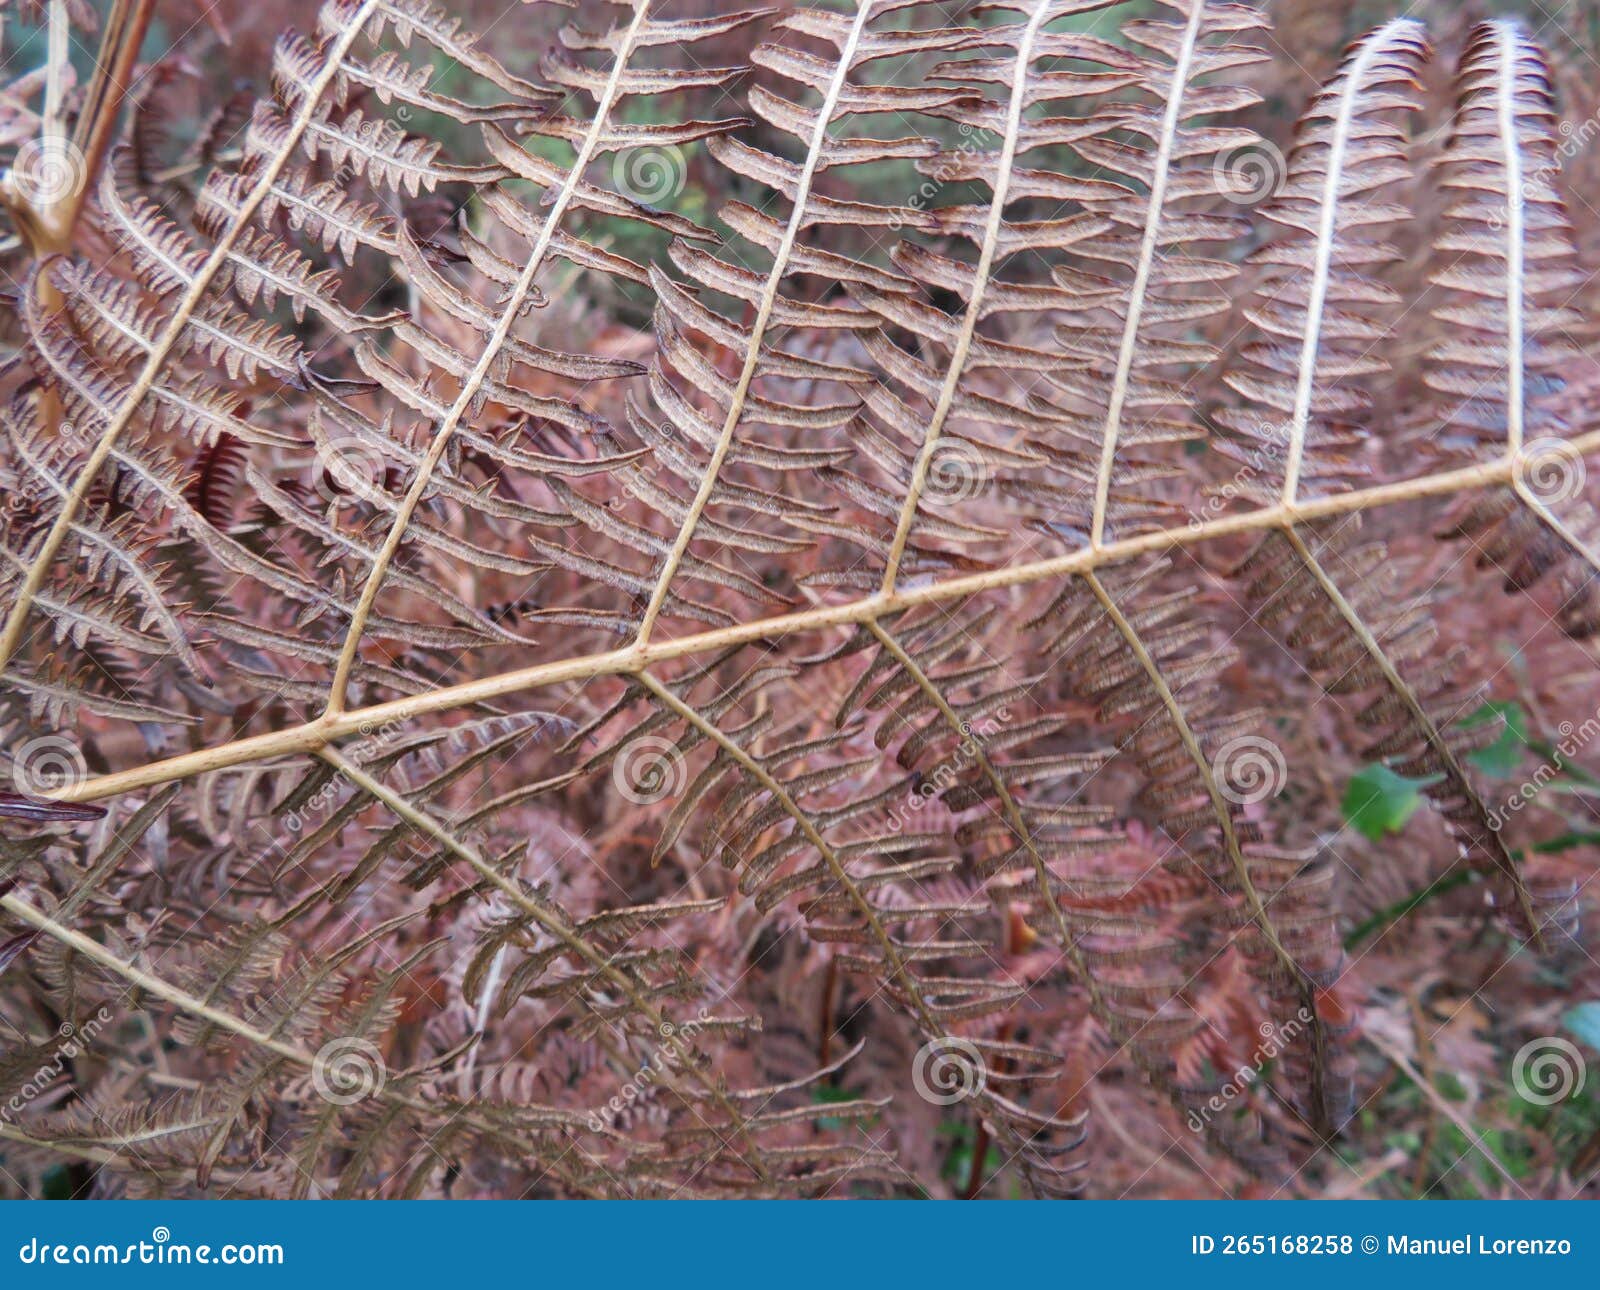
{"points": [[433, 706]]}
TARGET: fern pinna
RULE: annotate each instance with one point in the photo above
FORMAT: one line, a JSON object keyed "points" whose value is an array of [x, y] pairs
{"points": [[391, 647]]}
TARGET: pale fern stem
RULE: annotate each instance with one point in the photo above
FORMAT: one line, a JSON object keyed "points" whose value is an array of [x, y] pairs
{"points": [[980, 279], [39, 221], [758, 328], [552, 923], [151, 984], [1230, 836], [160, 988], [1322, 260], [803, 822], [491, 350], [312, 735], [58, 61], [1138, 292], [1008, 805], [115, 61], [1516, 231], [1553, 522], [95, 1148], [1317, 303], [480, 1018], [1419, 715], [72, 1149], [161, 350], [1516, 299]]}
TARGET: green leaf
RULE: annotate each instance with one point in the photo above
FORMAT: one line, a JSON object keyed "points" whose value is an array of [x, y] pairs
{"points": [[56, 1183], [1501, 758], [1567, 841], [822, 1095], [1379, 801], [1584, 1022]]}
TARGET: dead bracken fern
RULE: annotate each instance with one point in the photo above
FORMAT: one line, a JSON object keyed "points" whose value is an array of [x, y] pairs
{"points": [[348, 580]]}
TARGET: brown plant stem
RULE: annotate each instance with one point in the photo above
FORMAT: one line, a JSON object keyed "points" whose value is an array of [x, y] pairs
{"points": [[634, 659], [97, 124]]}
